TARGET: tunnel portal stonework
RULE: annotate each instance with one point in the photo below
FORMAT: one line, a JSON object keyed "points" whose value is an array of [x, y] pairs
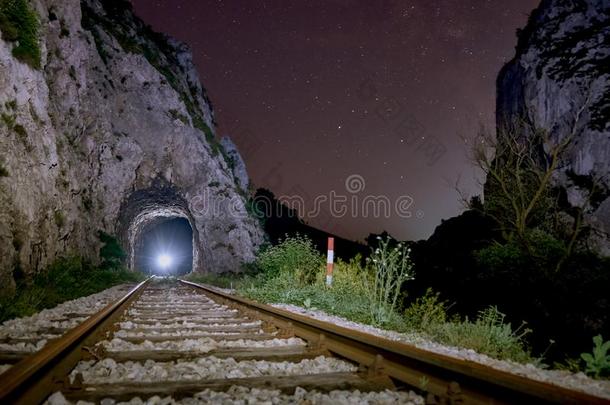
{"points": [[113, 131]]}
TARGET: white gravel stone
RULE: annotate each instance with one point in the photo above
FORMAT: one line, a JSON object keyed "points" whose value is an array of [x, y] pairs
{"points": [[23, 346], [9, 328], [34, 326], [185, 333], [199, 312], [244, 395], [185, 321], [202, 345], [108, 371], [576, 381], [186, 324]]}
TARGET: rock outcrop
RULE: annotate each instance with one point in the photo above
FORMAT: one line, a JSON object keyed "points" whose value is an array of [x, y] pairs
{"points": [[236, 162], [559, 80], [112, 132]]}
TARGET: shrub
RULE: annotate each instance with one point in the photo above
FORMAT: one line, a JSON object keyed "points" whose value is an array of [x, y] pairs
{"points": [[427, 312], [540, 253], [348, 277], [65, 279], [489, 334], [391, 268], [3, 171], [112, 254], [7, 27], [18, 22], [295, 256], [598, 362], [277, 281]]}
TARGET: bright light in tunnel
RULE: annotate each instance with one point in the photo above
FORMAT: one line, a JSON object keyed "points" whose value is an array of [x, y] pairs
{"points": [[164, 260]]}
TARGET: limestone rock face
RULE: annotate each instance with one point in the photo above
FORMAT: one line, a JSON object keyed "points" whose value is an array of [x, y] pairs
{"points": [[236, 162], [113, 133], [559, 80]]}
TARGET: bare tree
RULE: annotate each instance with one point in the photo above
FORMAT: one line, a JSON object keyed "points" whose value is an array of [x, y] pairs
{"points": [[520, 162]]}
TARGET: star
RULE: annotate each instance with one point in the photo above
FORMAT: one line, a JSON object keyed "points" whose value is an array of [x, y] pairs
{"points": [[389, 72]]}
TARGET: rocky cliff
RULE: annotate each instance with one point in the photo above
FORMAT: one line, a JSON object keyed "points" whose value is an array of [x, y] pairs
{"points": [[236, 162], [559, 80], [105, 126]]}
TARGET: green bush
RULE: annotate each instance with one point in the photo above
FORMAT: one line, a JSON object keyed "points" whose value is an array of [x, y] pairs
{"points": [[112, 254], [426, 313], [19, 22], [66, 279], [391, 267], [295, 256], [358, 292], [292, 272], [3, 171], [540, 252], [489, 335], [343, 299], [598, 362]]}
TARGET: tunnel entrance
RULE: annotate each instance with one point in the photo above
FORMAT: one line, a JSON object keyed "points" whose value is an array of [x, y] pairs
{"points": [[159, 232], [165, 247]]}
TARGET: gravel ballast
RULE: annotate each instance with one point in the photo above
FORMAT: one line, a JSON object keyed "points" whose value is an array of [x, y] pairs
{"points": [[63, 317], [186, 325], [109, 371], [575, 381], [242, 396], [202, 345], [172, 335]]}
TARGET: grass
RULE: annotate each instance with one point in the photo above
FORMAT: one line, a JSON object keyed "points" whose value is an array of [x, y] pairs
{"points": [[292, 272], [218, 280], [66, 279], [19, 23], [489, 334]]}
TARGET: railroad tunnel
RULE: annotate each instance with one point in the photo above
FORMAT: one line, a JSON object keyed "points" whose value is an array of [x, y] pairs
{"points": [[157, 231], [165, 247]]}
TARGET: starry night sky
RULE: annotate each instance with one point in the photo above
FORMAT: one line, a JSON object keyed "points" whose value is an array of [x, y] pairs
{"points": [[315, 91]]}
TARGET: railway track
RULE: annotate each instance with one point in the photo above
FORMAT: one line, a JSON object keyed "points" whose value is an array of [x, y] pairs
{"points": [[182, 340]]}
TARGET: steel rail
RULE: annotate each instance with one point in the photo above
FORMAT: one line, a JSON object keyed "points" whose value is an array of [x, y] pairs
{"points": [[432, 372], [37, 376]]}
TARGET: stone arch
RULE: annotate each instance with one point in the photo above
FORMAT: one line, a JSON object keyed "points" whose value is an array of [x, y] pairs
{"points": [[151, 206]]}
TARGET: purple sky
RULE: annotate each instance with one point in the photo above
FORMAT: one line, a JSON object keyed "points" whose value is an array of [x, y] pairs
{"points": [[315, 91]]}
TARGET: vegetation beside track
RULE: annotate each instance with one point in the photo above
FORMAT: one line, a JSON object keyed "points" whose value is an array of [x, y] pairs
{"points": [[370, 291], [66, 279]]}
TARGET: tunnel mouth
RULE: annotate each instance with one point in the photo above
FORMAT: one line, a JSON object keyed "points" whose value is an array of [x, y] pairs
{"points": [[159, 210], [165, 247]]}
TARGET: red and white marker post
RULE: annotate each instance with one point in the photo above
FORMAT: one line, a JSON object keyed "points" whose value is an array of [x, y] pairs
{"points": [[329, 261]]}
